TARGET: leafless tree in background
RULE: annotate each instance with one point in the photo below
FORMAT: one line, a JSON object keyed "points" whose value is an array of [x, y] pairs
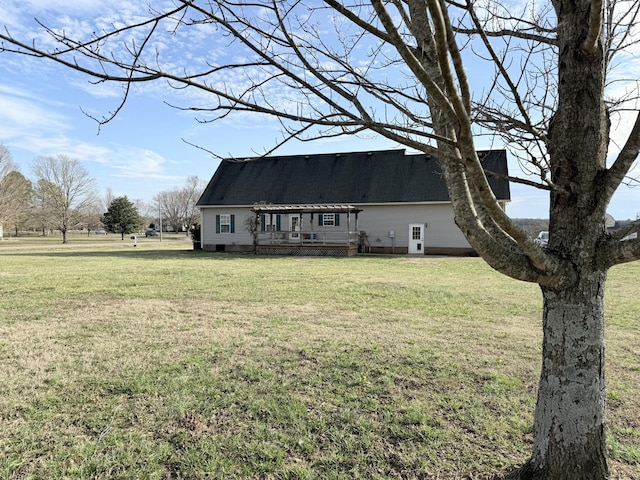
{"points": [[7, 164], [191, 191], [15, 191], [400, 69], [170, 206], [66, 189], [178, 206], [107, 200]]}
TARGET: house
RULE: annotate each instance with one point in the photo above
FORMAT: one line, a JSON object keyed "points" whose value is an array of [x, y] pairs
{"points": [[337, 204]]}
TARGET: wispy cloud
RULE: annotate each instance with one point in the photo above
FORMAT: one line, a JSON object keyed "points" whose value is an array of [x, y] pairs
{"points": [[35, 6], [24, 120], [33, 125], [136, 163]]}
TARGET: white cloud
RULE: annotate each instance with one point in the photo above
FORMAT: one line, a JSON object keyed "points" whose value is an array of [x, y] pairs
{"points": [[10, 14], [32, 124], [135, 163], [68, 6], [24, 120], [98, 90]]}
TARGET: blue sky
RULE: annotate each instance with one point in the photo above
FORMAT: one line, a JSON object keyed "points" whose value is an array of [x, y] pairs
{"points": [[141, 152]]}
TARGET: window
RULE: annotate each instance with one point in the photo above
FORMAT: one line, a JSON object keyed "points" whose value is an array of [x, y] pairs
{"points": [[225, 223], [416, 233], [269, 223], [329, 220]]}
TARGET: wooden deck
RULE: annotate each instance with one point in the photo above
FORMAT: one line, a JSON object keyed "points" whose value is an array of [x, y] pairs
{"points": [[311, 244], [301, 239], [308, 250]]}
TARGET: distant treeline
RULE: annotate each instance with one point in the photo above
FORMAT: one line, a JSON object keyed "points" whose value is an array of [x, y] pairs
{"points": [[534, 225]]}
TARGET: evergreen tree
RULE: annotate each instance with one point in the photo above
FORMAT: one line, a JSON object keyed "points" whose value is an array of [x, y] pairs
{"points": [[122, 217]]}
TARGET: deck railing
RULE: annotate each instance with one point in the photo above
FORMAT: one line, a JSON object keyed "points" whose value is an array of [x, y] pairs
{"points": [[308, 238]]}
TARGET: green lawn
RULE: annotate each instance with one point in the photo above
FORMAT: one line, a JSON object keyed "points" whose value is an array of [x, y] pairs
{"points": [[156, 361]]}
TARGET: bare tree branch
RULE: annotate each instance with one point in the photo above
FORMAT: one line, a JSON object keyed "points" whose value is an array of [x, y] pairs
{"points": [[595, 27], [623, 163]]}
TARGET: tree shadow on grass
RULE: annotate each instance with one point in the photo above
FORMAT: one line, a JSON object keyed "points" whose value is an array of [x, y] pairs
{"points": [[121, 253], [512, 473], [509, 474]]}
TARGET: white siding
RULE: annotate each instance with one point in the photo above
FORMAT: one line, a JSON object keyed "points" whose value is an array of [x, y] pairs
{"points": [[441, 230], [376, 220], [241, 235]]}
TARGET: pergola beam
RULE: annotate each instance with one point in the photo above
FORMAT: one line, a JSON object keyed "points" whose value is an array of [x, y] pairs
{"points": [[332, 208]]}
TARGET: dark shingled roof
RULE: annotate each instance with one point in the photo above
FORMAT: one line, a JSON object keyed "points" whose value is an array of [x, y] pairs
{"points": [[386, 176]]}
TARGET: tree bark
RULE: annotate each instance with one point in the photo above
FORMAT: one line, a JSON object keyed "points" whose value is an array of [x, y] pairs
{"points": [[569, 428], [569, 424]]}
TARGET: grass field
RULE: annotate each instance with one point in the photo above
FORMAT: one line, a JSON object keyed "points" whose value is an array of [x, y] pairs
{"points": [[160, 362]]}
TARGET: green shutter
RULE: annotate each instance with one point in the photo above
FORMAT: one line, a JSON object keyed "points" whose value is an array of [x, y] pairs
{"points": [[262, 220], [337, 219], [217, 223], [233, 224], [320, 219], [278, 222]]}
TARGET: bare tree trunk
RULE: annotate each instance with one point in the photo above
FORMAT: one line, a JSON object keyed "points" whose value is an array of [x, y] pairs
{"points": [[569, 424], [569, 433]]}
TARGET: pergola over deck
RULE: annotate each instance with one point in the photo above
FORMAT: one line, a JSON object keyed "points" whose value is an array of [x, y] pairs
{"points": [[302, 239]]}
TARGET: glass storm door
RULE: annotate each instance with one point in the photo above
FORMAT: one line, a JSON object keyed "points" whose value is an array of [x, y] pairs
{"points": [[294, 226], [416, 238]]}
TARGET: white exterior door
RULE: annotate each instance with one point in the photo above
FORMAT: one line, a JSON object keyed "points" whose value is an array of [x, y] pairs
{"points": [[294, 227], [416, 238]]}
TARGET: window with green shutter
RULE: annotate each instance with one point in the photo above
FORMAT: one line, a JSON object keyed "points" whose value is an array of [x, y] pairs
{"points": [[329, 219], [225, 223], [269, 223]]}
